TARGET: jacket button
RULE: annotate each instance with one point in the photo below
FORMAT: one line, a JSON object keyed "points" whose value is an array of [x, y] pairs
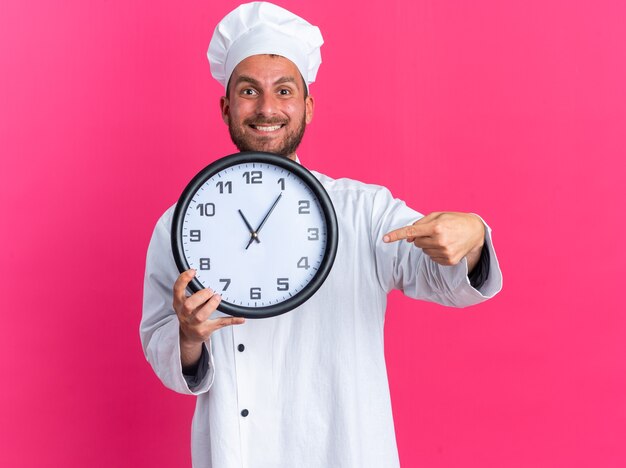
{"points": [[245, 413], [241, 348]]}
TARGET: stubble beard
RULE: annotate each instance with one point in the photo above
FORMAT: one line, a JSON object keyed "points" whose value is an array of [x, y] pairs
{"points": [[287, 147]]}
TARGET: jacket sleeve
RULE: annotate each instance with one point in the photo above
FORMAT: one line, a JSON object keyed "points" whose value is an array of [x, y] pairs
{"points": [[159, 329], [401, 265]]}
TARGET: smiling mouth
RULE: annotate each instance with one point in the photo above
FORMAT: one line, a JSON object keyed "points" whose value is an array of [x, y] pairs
{"points": [[267, 128]]}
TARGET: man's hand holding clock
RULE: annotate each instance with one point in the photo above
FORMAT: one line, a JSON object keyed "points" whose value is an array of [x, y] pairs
{"points": [[193, 314]]}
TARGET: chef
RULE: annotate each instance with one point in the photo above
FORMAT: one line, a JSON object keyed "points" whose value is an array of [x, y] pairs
{"points": [[309, 388]]}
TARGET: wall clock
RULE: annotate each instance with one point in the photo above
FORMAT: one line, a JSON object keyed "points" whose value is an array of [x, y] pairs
{"points": [[259, 229]]}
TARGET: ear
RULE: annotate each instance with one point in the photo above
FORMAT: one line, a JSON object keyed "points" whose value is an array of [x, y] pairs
{"points": [[225, 108], [309, 107]]}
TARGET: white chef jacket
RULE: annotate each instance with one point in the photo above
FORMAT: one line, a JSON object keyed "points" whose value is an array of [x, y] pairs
{"points": [[312, 383]]}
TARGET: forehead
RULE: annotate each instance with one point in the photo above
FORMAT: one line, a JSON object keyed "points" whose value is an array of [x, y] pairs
{"points": [[266, 69]]}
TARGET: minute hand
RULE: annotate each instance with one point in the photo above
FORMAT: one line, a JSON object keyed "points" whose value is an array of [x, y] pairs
{"points": [[264, 219]]}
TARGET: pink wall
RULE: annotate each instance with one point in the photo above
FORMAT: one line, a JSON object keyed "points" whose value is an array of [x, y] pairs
{"points": [[514, 110]]}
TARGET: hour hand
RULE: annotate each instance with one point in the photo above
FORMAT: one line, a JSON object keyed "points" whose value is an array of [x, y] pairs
{"points": [[253, 234]]}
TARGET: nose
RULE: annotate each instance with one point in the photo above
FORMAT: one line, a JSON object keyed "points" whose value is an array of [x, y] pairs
{"points": [[267, 104]]}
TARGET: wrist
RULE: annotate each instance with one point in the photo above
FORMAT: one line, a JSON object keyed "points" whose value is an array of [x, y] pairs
{"points": [[189, 348], [190, 352], [188, 344], [480, 228]]}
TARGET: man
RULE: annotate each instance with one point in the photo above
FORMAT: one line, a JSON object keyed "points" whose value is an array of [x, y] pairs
{"points": [[307, 388]]}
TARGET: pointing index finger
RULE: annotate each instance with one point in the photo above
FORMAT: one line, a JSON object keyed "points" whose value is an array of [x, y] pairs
{"points": [[406, 232]]}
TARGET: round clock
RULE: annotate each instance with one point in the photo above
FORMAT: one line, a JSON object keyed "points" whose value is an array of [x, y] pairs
{"points": [[259, 229]]}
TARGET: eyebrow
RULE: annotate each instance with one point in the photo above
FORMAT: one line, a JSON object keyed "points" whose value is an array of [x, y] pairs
{"points": [[249, 79]]}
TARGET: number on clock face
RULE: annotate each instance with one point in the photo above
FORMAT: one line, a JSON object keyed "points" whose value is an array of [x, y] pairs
{"points": [[255, 233]]}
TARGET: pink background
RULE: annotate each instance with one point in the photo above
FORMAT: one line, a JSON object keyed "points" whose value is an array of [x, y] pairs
{"points": [[514, 110]]}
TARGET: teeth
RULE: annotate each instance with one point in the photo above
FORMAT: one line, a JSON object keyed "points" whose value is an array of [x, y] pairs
{"points": [[267, 129]]}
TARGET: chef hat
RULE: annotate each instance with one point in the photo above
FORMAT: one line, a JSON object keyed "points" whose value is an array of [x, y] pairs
{"points": [[263, 28]]}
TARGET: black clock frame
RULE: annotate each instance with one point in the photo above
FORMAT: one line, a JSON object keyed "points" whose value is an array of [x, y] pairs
{"points": [[318, 190]]}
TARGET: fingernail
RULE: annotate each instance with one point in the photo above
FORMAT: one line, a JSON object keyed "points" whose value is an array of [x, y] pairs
{"points": [[386, 238]]}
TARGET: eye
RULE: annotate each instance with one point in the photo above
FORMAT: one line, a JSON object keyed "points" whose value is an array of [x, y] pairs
{"points": [[284, 92], [248, 92]]}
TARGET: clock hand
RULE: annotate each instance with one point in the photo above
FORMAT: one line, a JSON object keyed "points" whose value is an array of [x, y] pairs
{"points": [[268, 213], [254, 236]]}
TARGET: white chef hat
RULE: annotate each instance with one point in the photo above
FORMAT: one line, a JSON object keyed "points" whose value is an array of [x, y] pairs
{"points": [[263, 28]]}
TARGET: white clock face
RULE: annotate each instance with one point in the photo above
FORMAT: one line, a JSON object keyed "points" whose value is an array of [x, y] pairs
{"points": [[255, 233]]}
